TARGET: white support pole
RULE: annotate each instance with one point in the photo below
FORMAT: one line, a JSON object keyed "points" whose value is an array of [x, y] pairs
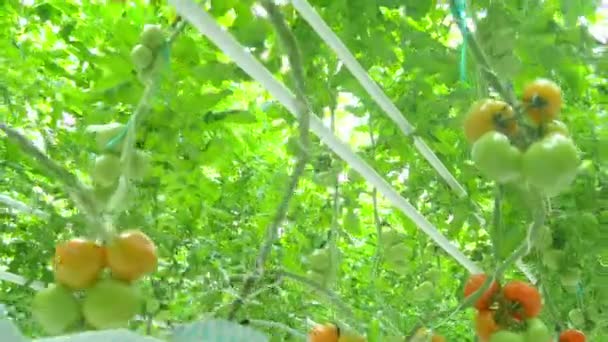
{"points": [[207, 25], [325, 32], [17, 279]]}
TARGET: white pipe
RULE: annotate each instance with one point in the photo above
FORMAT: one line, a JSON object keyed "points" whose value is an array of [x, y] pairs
{"points": [[207, 25], [325, 32], [17, 279]]}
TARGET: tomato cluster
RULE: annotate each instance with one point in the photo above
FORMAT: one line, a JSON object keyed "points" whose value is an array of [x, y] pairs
{"points": [[320, 266], [507, 313], [534, 148], [145, 55], [83, 292]]}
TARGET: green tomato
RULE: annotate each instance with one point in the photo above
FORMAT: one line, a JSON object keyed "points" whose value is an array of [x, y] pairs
{"points": [[320, 260], [507, 336], [397, 253], [553, 259], [551, 164], [152, 36], [537, 331], [570, 277], [423, 291], [433, 275], [142, 57], [110, 304], [496, 158], [56, 309], [556, 127], [105, 133], [391, 237], [577, 317], [316, 277], [107, 169]]}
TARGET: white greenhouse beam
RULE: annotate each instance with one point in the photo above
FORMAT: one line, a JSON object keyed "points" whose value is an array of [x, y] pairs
{"points": [[378, 95], [207, 25]]}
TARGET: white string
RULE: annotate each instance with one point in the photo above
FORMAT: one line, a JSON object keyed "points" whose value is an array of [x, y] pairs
{"points": [[17, 279], [207, 25], [325, 32]]}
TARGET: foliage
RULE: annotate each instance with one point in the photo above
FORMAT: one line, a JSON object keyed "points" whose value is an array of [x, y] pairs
{"points": [[221, 152]]}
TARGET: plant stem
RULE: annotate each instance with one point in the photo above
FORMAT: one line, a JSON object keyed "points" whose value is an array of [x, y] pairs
{"points": [[303, 113]]}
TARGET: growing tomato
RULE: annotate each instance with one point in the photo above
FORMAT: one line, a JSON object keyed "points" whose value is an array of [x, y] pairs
{"points": [[324, 333], [55, 309], [507, 336], [525, 296], [107, 169], [551, 164], [543, 100], [474, 283], [110, 304], [572, 335], [556, 127], [78, 263], [152, 36], [577, 317], [496, 158], [536, 330], [141, 56], [438, 338], [131, 255], [320, 260], [489, 115], [485, 324]]}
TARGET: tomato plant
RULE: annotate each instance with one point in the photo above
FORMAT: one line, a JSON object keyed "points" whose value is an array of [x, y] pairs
{"points": [[489, 115], [496, 158], [78, 263], [485, 324], [474, 283], [131, 255], [324, 333], [572, 335], [56, 309], [542, 99], [110, 304], [551, 164], [525, 296]]}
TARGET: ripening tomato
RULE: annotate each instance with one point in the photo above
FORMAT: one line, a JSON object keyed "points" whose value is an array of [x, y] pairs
{"points": [[551, 164], [131, 255], [526, 295], [78, 263], [474, 283], [489, 115], [496, 158], [572, 335], [438, 338], [542, 99], [324, 333], [485, 324]]}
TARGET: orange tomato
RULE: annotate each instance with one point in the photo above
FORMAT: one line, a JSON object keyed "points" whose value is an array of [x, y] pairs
{"points": [[438, 338], [526, 295], [78, 263], [474, 283], [572, 335], [485, 324], [131, 255], [489, 115], [324, 333], [542, 99]]}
